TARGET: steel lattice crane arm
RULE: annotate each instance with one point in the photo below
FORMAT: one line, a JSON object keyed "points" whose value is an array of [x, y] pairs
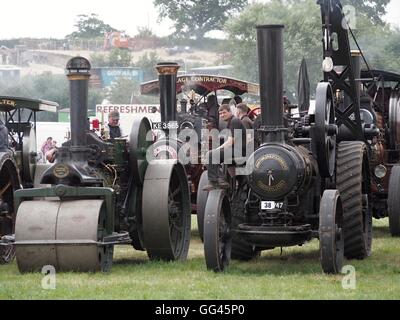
{"points": [[338, 66]]}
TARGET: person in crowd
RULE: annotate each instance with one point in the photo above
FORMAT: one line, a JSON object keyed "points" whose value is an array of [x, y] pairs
{"points": [[46, 147], [242, 111], [113, 125], [51, 154], [220, 153]]}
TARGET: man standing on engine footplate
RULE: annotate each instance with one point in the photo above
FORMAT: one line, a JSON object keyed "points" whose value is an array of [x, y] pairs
{"points": [[226, 153]]}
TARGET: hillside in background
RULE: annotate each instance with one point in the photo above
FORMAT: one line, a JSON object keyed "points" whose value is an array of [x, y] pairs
{"points": [[36, 56]]}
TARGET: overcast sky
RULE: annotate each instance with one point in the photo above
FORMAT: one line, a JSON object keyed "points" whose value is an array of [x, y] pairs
{"points": [[56, 18]]}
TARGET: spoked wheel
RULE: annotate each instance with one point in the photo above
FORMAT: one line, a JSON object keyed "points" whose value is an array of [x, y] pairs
{"points": [[325, 130], [201, 203], [7, 253], [394, 202], [138, 145], [166, 211], [353, 183], [64, 234], [331, 236], [217, 231], [9, 182]]}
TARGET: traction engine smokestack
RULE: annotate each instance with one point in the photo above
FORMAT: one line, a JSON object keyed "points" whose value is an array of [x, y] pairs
{"points": [[270, 54], [78, 76], [167, 76], [356, 62]]}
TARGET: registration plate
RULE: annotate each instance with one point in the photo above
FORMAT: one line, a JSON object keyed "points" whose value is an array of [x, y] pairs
{"points": [[271, 205], [171, 125]]}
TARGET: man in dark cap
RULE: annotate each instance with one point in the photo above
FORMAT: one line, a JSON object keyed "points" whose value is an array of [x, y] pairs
{"points": [[113, 125], [242, 111]]}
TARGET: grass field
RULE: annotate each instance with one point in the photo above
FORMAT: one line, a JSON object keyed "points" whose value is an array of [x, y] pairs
{"points": [[294, 275]]}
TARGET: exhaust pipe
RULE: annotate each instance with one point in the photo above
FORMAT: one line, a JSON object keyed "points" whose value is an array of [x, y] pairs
{"points": [[167, 76], [270, 55], [78, 76]]}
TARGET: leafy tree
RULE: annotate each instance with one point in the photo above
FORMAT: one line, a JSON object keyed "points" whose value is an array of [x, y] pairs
{"points": [[96, 96], [119, 58], [372, 9], [98, 60], [302, 38], [147, 63], [196, 18], [122, 91], [115, 58], [48, 87], [90, 27], [145, 32]]}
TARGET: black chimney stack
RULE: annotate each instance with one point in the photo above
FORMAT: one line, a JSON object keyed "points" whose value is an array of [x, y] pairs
{"points": [[270, 55], [78, 76], [167, 76], [356, 64]]}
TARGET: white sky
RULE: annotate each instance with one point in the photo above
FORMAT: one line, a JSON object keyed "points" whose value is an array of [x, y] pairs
{"points": [[56, 18]]}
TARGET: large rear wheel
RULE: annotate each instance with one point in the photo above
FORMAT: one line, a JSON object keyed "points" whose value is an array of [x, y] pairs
{"points": [[353, 183], [394, 202], [166, 211]]}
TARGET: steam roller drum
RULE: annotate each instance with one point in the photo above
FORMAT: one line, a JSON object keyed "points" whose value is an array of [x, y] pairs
{"points": [[138, 146], [63, 234], [166, 211], [29, 154]]}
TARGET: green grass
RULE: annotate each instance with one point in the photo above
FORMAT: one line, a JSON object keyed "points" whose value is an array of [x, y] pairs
{"points": [[294, 275]]}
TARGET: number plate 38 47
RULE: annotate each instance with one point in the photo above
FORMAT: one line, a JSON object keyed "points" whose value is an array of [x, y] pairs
{"points": [[271, 205]]}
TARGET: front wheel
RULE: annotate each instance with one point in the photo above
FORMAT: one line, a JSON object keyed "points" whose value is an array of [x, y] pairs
{"points": [[201, 203], [217, 231], [331, 236]]}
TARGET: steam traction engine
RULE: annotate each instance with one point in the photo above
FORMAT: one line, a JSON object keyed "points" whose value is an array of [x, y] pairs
{"points": [[102, 193], [290, 194], [367, 110], [18, 164], [201, 115]]}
